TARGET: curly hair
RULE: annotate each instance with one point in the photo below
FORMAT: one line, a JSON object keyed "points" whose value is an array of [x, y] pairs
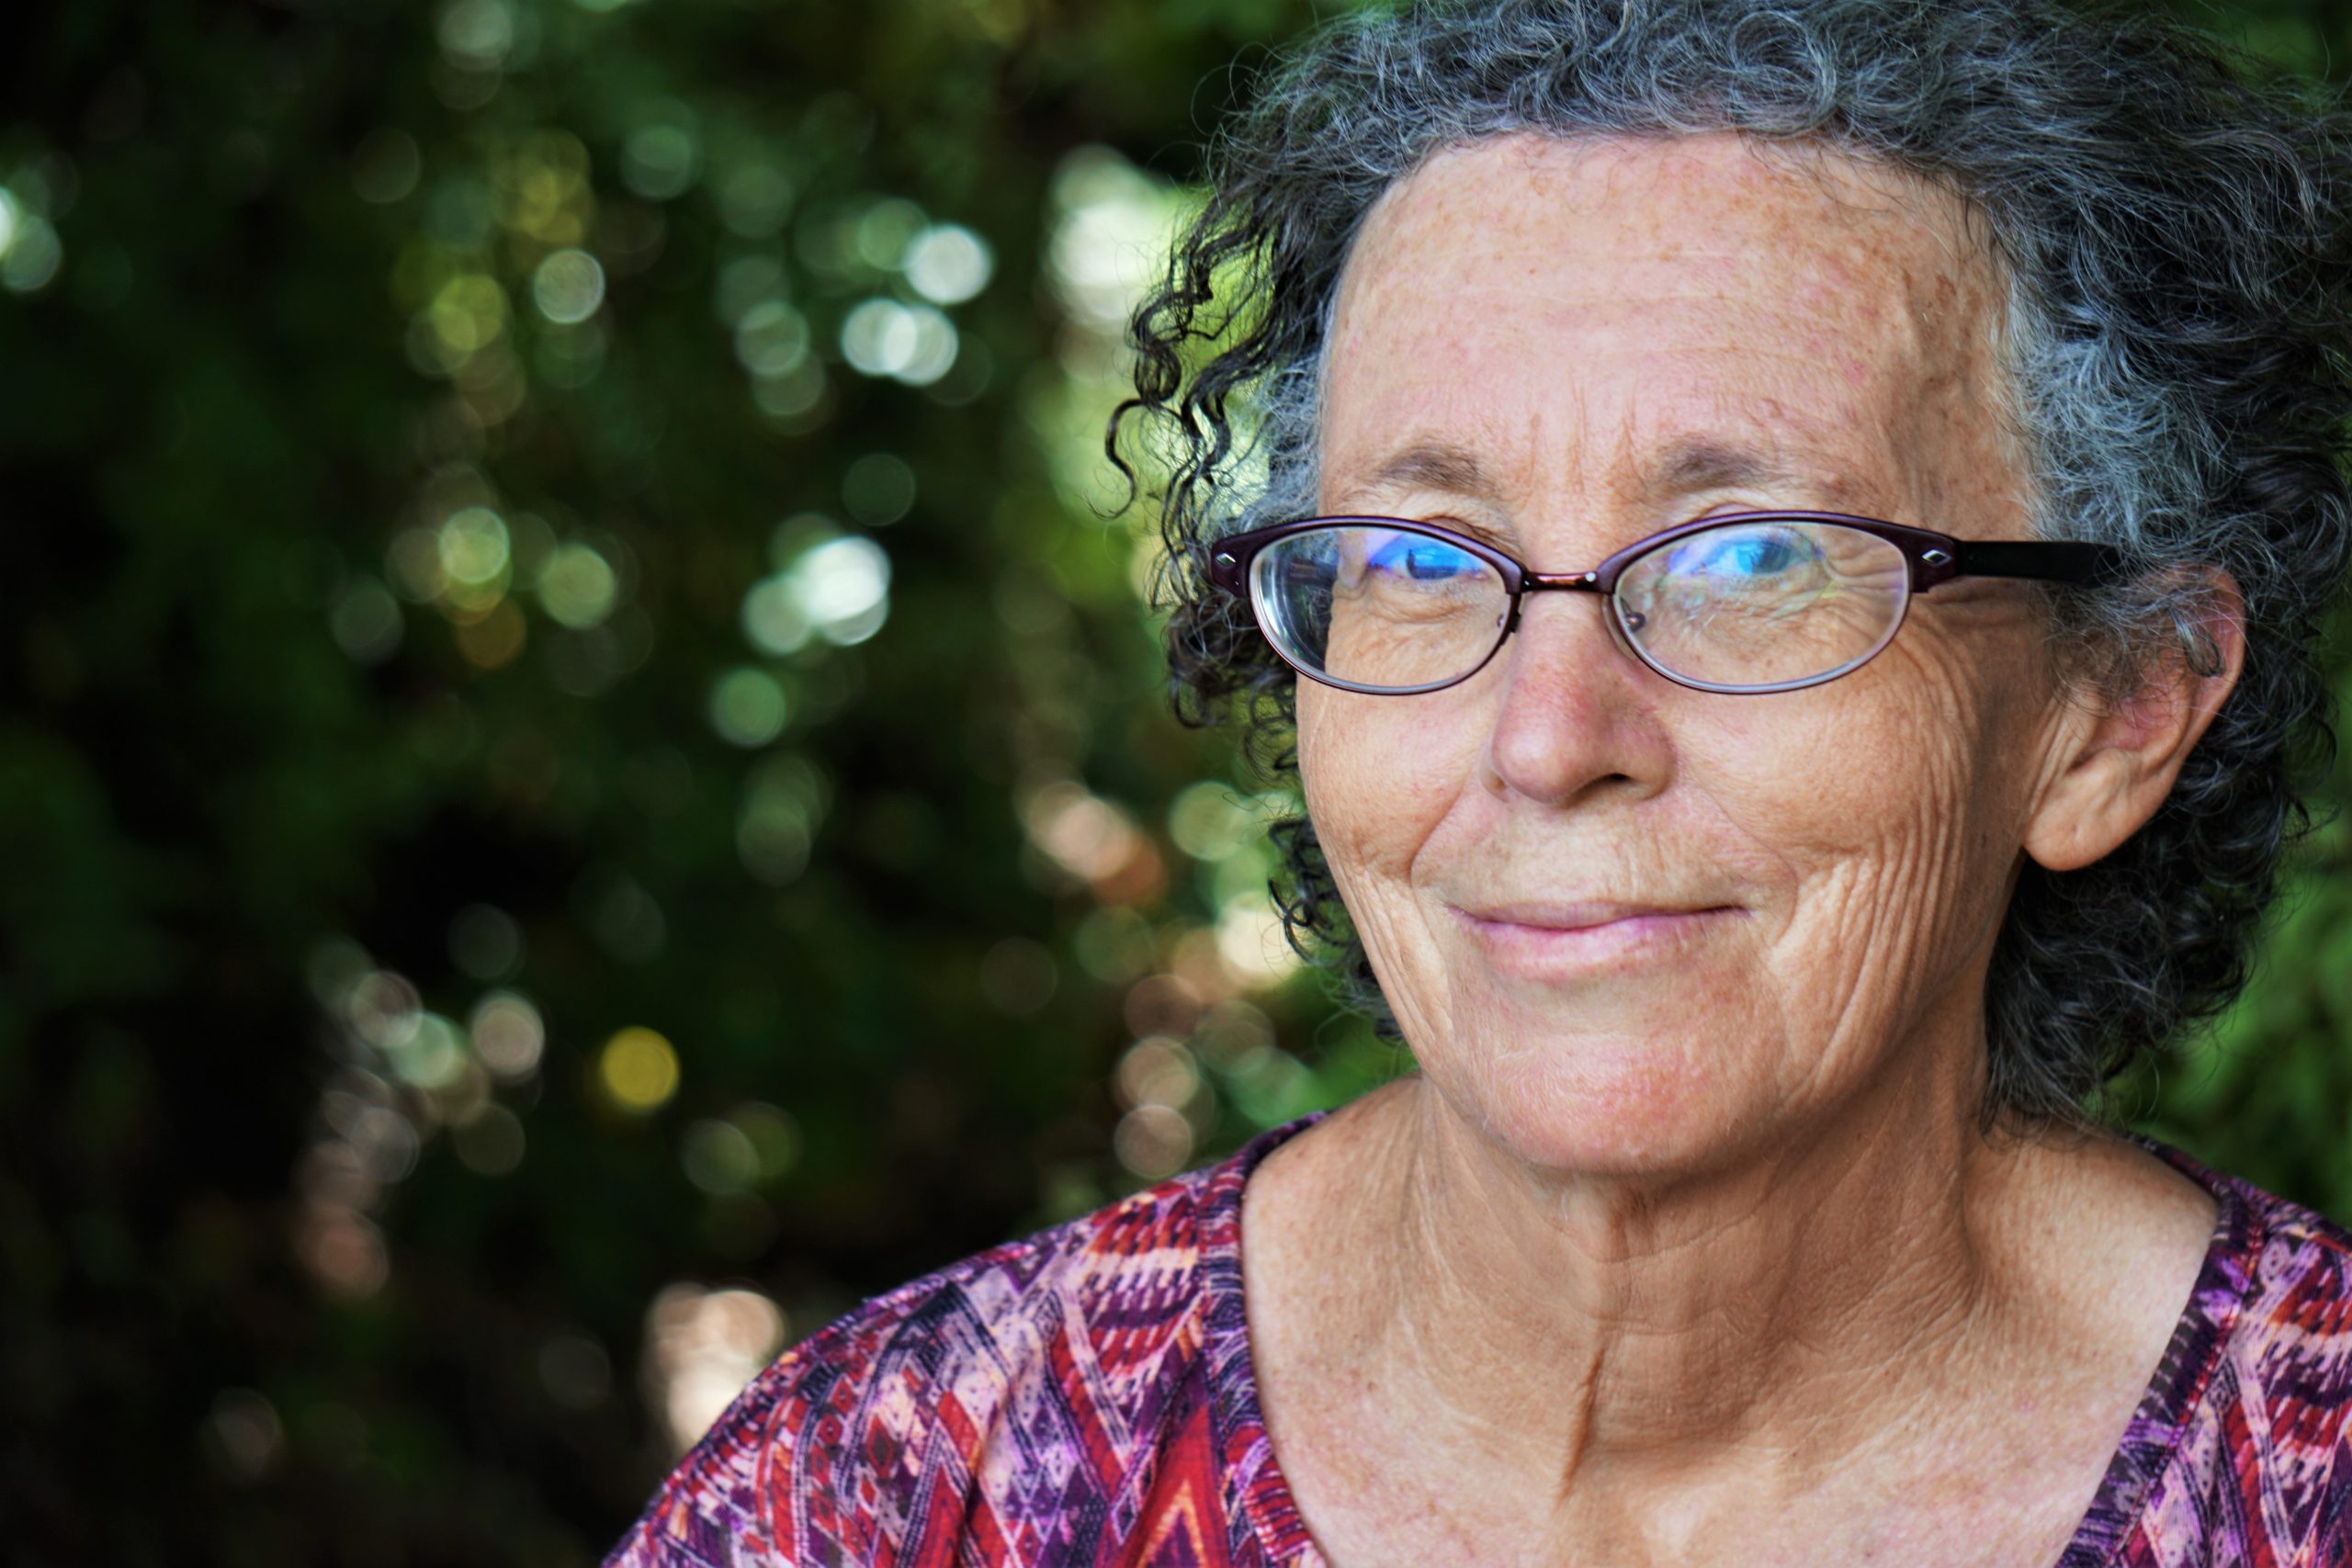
{"points": [[2175, 232]]}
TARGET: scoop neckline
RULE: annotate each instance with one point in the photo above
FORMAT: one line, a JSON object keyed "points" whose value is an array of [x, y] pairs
{"points": [[1263, 1522]]}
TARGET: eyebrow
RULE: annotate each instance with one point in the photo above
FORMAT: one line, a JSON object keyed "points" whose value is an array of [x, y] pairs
{"points": [[1705, 464], [1688, 465], [1433, 465]]}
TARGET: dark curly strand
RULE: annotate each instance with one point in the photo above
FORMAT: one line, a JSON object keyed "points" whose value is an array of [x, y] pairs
{"points": [[2179, 245]]}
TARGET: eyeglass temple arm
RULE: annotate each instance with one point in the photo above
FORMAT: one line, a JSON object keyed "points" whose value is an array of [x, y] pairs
{"points": [[2061, 561]]}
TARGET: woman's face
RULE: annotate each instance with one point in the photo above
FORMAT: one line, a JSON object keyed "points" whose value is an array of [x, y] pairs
{"points": [[1628, 926]]}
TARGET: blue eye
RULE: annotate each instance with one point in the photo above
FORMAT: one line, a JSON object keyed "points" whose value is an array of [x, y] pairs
{"points": [[1744, 553], [1425, 560]]}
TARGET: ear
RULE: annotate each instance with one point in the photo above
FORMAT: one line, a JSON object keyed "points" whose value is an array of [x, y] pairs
{"points": [[2118, 766]]}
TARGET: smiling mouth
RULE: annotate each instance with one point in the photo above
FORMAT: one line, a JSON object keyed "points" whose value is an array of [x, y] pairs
{"points": [[1548, 938]]}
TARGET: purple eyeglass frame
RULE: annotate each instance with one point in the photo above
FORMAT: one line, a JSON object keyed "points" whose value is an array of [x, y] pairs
{"points": [[1933, 558]]}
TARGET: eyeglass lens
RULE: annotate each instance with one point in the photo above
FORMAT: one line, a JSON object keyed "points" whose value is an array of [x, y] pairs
{"points": [[1755, 605]]}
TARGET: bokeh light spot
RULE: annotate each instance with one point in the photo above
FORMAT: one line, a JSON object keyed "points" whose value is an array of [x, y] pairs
{"points": [[1269, 1085], [948, 263], [748, 707], [412, 561], [540, 184], [381, 1008], [494, 637], [659, 160], [843, 587], [32, 253], [794, 400], [772, 339], [1093, 839], [468, 314], [1157, 1071], [431, 1054], [782, 801], [703, 1348], [477, 33], [913, 343], [344, 1250], [718, 1157], [1231, 1032], [772, 618], [878, 489], [577, 586], [366, 621], [638, 1070], [753, 200], [1161, 1004], [885, 231], [1251, 943], [1111, 238], [473, 545], [567, 286], [1115, 945], [243, 1433], [1206, 821], [1152, 1141], [509, 1035], [775, 1136]]}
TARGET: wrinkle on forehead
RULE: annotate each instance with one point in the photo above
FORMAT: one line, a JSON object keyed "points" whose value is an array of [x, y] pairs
{"points": [[1839, 293]]}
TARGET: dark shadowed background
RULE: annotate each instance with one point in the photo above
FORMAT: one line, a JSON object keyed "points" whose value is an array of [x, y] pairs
{"points": [[583, 779]]}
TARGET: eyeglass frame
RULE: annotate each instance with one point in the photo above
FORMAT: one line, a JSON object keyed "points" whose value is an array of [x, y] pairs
{"points": [[1932, 557]]}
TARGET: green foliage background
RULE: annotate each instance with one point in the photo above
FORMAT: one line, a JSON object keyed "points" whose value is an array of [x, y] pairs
{"points": [[385, 644]]}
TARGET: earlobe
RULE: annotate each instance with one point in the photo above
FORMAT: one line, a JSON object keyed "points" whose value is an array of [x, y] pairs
{"points": [[2120, 766]]}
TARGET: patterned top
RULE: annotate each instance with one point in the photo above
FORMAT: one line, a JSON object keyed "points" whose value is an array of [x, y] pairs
{"points": [[1085, 1396]]}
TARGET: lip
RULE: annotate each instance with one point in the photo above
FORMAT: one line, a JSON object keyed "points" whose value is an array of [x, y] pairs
{"points": [[1549, 940]]}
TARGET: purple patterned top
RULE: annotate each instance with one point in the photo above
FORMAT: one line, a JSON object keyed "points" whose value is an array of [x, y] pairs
{"points": [[1085, 1396]]}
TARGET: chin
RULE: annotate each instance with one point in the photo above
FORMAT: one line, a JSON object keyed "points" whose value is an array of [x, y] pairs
{"points": [[1609, 1106]]}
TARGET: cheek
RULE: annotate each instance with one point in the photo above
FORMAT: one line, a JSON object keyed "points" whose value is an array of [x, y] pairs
{"points": [[1891, 810], [1380, 774]]}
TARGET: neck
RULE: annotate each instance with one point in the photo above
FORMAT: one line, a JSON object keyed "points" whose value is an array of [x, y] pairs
{"points": [[1780, 1300]]}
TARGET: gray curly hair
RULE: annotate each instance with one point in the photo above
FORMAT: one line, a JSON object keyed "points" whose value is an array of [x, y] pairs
{"points": [[2177, 241]]}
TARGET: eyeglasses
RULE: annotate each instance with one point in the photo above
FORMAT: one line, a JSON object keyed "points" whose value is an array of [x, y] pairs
{"points": [[1747, 601]]}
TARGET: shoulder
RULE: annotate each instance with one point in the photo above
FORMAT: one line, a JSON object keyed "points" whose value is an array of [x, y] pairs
{"points": [[2265, 1452], [877, 1432], [2293, 1336], [2288, 1385]]}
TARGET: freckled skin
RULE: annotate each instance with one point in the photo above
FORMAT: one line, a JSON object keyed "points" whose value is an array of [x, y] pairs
{"points": [[1593, 317], [1694, 1255]]}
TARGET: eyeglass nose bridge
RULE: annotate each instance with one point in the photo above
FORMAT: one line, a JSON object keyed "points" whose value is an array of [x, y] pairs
{"points": [[1567, 582], [1550, 583]]}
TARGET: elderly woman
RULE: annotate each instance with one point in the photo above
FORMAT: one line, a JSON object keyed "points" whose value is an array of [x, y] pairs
{"points": [[1801, 524]]}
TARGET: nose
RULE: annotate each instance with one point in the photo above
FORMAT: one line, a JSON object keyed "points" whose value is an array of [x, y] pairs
{"points": [[1577, 716]]}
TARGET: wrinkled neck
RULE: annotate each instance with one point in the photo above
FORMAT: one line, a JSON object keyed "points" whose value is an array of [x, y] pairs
{"points": [[1781, 1298]]}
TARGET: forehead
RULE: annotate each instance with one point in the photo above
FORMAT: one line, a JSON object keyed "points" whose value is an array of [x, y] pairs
{"points": [[1594, 311]]}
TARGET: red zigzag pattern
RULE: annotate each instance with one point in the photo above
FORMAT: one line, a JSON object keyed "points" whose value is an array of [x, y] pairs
{"points": [[1085, 1396]]}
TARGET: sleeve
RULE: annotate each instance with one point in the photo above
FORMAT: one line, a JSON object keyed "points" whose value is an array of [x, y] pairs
{"points": [[2300, 1401], [865, 1443], [716, 1509]]}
